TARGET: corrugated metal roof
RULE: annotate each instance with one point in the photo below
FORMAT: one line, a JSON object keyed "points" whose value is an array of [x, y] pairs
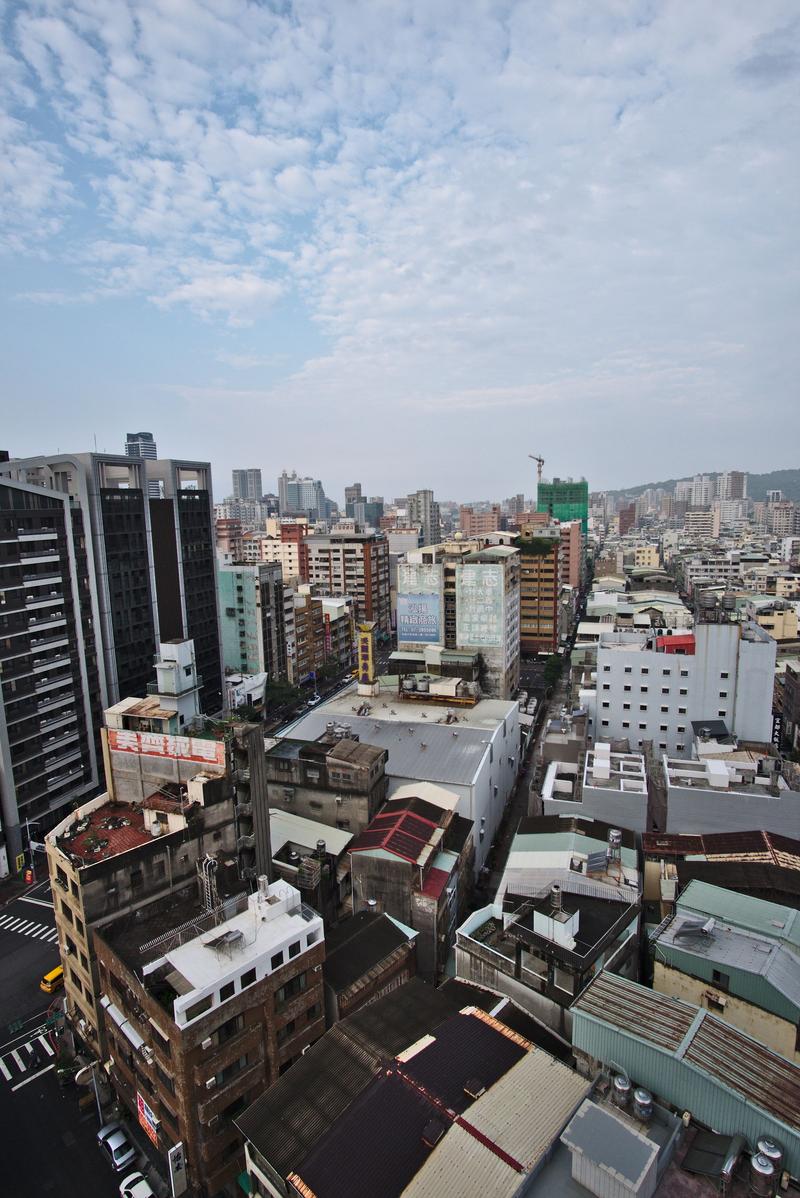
{"points": [[451, 755], [461, 1167], [285, 826], [655, 1018], [525, 1110], [743, 910], [691, 1059]]}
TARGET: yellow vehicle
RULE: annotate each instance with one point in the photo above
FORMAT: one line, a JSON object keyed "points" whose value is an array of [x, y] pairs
{"points": [[52, 981]]}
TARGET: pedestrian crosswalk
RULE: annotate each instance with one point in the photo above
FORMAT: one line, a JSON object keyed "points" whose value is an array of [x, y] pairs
{"points": [[27, 1060], [29, 927]]}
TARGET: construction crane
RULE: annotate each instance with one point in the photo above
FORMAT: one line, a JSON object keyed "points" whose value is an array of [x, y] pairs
{"points": [[539, 465]]}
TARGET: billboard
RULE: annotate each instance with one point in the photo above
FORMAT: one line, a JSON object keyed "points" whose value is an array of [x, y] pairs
{"points": [[156, 744], [419, 604], [479, 606], [146, 1118]]}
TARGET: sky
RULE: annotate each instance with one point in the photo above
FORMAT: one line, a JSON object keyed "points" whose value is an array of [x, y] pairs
{"points": [[405, 242]]}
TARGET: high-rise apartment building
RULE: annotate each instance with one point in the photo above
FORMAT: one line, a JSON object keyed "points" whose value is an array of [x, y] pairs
{"points": [[301, 496], [49, 676], [141, 445], [571, 563], [149, 563], [251, 615], [565, 499], [354, 564], [247, 485], [732, 485], [488, 615], [423, 510], [352, 495], [540, 587], [702, 490]]}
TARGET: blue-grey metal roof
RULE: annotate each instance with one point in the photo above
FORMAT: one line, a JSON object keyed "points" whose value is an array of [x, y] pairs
{"points": [[742, 911], [692, 1060], [449, 755]]}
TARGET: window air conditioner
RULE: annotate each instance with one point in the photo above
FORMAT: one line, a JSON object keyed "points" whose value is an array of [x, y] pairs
{"points": [[211, 1083], [207, 1042]]}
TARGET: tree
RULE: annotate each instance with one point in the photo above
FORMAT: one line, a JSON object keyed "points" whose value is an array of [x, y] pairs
{"points": [[552, 669]]}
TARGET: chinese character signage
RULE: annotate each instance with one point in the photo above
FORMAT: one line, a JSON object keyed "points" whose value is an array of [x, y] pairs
{"points": [[147, 1119], [366, 652], [156, 744], [479, 606], [419, 604]]}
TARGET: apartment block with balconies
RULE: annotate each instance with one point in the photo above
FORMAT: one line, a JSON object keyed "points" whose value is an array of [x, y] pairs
{"points": [[204, 1006]]}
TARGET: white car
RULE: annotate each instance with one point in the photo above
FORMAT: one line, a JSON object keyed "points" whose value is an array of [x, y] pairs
{"points": [[114, 1141], [136, 1185]]}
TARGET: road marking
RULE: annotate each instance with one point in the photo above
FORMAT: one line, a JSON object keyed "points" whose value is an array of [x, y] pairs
{"points": [[27, 926], [19, 1060], [11, 926], [39, 902], [53, 935], [46, 1045], [44, 930], [5, 919], [5, 1071], [33, 1077]]}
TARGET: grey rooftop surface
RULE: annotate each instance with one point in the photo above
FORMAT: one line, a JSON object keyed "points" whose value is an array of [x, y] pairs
{"points": [[607, 1142]]}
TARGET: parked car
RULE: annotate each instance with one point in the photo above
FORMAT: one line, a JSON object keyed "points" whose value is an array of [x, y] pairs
{"points": [[114, 1141], [136, 1185]]}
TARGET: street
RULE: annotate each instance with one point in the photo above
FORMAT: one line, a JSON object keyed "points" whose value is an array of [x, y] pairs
{"points": [[50, 1142]]}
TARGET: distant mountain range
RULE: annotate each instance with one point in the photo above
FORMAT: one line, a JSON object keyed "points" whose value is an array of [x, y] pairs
{"points": [[787, 481]]}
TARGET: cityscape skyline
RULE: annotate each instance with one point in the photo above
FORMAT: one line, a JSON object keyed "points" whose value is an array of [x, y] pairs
{"points": [[445, 227]]}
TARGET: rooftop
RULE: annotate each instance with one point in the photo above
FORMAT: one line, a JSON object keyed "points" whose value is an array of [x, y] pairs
{"points": [[485, 714], [359, 944], [758, 846], [97, 833], [287, 828], [409, 829]]}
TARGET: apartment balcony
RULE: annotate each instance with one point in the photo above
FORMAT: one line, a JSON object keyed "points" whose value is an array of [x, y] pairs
{"points": [[38, 623], [40, 580], [48, 642], [33, 604], [42, 664], [39, 534]]}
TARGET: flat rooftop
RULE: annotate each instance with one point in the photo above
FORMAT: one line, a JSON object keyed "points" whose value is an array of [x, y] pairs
{"points": [[104, 831], [387, 706]]}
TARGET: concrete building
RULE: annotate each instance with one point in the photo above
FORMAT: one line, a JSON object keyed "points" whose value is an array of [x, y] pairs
{"points": [[150, 562], [313, 857], [228, 534], [339, 782], [571, 558], [203, 1008], [174, 796], [731, 788], [488, 615], [423, 510], [603, 785], [414, 861], [652, 687], [704, 522], [543, 950], [540, 588], [49, 673], [251, 614], [732, 484], [736, 956], [356, 564], [469, 747], [475, 524], [247, 485]]}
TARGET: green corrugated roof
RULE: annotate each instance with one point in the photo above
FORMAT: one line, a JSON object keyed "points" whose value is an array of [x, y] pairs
{"points": [[559, 842], [742, 910]]}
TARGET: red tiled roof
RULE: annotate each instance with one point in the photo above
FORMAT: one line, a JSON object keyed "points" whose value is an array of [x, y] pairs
{"points": [[671, 644]]}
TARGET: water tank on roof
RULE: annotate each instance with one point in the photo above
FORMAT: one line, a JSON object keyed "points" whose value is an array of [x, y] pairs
{"points": [[728, 602], [424, 685], [772, 1150], [409, 684], [763, 1176], [621, 1090], [707, 600], [642, 1104]]}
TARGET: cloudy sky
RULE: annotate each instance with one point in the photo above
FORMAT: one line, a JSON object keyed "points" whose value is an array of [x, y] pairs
{"points": [[403, 242]]}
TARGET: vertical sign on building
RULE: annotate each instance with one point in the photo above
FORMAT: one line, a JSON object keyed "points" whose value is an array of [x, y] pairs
{"points": [[479, 606], [419, 604], [366, 652], [176, 1158]]}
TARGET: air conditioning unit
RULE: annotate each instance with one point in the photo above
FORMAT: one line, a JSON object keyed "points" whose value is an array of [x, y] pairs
{"points": [[148, 1054], [211, 1083], [207, 1042], [213, 1123], [66, 950]]}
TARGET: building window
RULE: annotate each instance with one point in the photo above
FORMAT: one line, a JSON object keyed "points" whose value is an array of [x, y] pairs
{"points": [[291, 989], [644, 690], [679, 748], [199, 1008], [681, 711], [645, 670], [662, 744], [226, 991], [247, 978], [643, 727], [642, 707], [666, 673], [723, 694], [724, 674], [684, 673], [294, 949], [606, 669], [628, 670], [135, 879], [627, 688], [665, 690], [276, 961], [664, 710], [722, 713], [606, 704], [625, 724], [604, 723], [626, 706], [606, 687], [721, 980], [683, 692]]}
